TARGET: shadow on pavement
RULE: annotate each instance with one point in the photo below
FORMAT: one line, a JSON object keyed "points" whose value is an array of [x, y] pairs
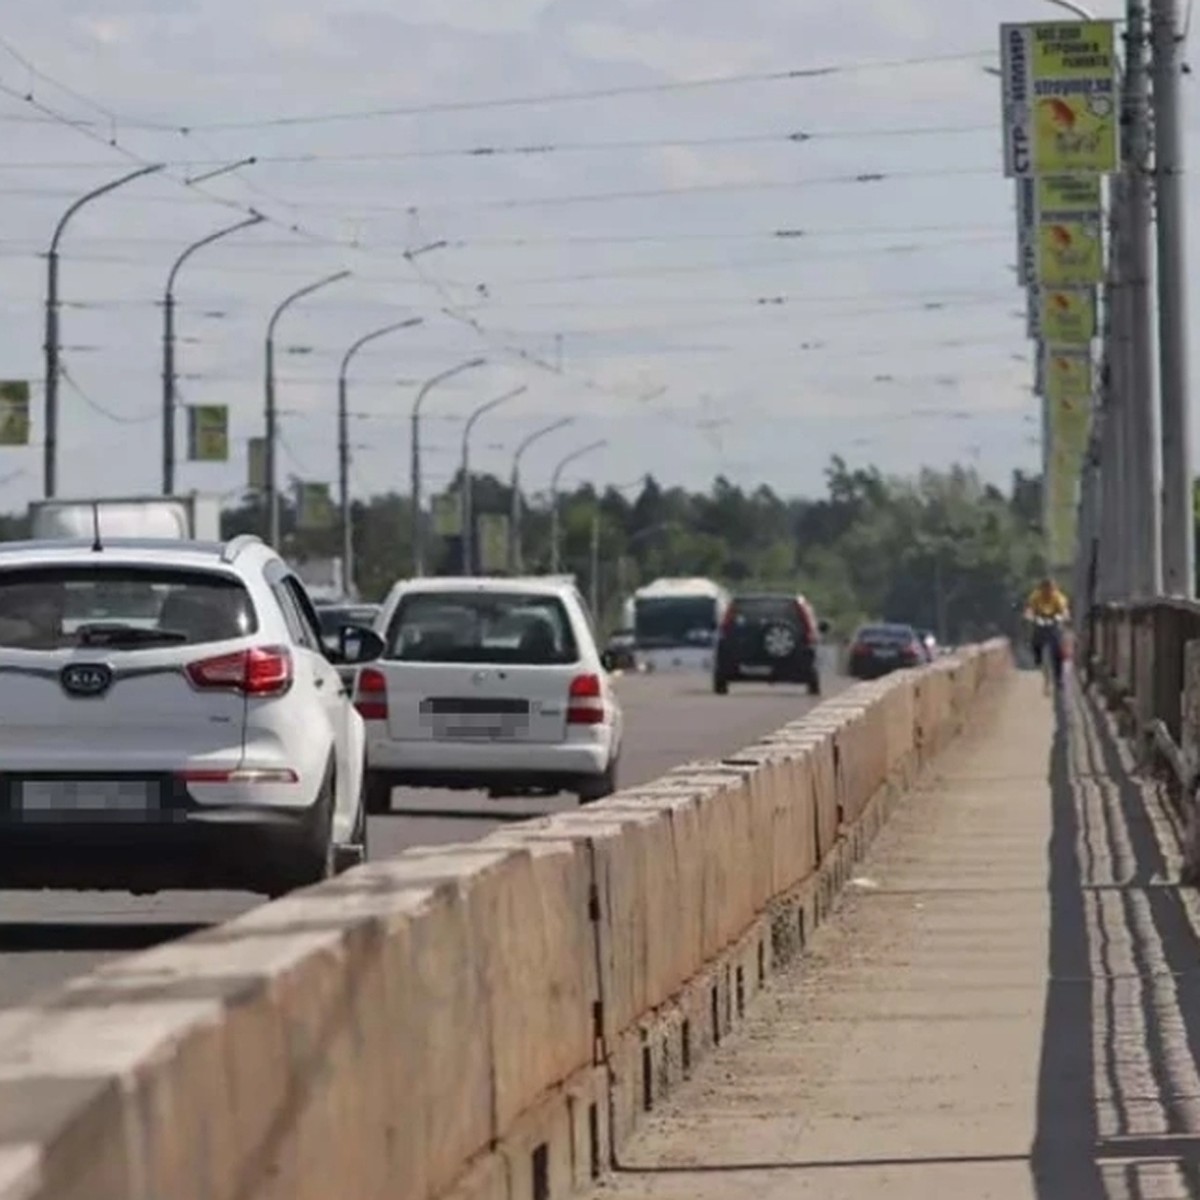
{"points": [[1119, 1093], [500, 816], [1063, 1159]]}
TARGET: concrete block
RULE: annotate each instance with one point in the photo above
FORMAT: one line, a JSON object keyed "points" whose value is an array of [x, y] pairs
{"points": [[486, 1179]]}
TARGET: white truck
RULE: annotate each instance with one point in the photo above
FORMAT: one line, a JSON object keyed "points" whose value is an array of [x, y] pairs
{"points": [[189, 518]]}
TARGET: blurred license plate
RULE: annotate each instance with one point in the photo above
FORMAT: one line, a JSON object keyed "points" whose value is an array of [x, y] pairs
{"points": [[882, 653], [87, 795], [756, 670], [479, 727]]}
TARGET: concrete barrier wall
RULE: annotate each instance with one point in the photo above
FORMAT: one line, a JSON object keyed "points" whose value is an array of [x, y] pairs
{"points": [[482, 1022]]}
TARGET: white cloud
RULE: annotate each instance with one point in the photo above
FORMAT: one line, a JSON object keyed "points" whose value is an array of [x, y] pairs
{"points": [[108, 31]]}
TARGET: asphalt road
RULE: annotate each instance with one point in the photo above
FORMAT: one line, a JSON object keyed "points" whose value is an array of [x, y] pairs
{"points": [[48, 937]]}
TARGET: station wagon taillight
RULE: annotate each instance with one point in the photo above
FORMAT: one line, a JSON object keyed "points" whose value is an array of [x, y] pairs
{"points": [[258, 672], [370, 695], [585, 705]]}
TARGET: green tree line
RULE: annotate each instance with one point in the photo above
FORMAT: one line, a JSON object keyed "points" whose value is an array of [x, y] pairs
{"points": [[942, 550]]}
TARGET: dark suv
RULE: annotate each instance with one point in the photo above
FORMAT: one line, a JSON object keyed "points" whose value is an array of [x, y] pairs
{"points": [[770, 637]]}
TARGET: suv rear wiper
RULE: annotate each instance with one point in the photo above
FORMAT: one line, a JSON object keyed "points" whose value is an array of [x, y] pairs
{"points": [[127, 635]]}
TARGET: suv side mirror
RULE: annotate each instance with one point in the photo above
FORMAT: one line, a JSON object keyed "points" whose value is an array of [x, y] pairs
{"points": [[822, 627], [358, 645], [608, 660]]}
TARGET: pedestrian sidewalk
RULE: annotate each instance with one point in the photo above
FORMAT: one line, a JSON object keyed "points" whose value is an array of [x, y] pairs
{"points": [[1006, 1004]]}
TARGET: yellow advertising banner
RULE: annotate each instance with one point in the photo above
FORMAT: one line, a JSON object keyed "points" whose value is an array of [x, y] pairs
{"points": [[1062, 517], [1059, 93], [447, 515], [493, 542], [208, 433], [315, 507], [1068, 195], [1067, 372], [1068, 427], [1069, 232], [1065, 316], [1070, 418], [14, 413]]}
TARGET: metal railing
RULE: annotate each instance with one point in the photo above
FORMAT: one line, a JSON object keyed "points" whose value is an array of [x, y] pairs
{"points": [[1137, 652]]}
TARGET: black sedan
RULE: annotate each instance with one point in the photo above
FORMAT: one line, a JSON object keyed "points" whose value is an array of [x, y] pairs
{"points": [[878, 650]]}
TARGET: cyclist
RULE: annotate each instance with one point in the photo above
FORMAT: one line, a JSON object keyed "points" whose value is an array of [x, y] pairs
{"points": [[1048, 610]]}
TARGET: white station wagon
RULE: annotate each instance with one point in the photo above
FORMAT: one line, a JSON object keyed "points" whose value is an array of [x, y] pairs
{"points": [[495, 684]]}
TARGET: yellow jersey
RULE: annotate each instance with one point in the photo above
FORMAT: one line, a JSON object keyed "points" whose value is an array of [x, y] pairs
{"points": [[1047, 604]]}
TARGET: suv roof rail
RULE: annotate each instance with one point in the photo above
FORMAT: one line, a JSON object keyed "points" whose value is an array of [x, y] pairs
{"points": [[236, 545]]}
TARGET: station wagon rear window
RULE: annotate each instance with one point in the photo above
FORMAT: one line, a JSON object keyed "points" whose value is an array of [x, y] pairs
{"points": [[471, 627], [120, 608]]}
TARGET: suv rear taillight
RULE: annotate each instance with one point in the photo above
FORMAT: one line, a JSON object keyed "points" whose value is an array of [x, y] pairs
{"points": [[585, 705], [370, 695], [258, 672], [806, 623], [729, 619]]}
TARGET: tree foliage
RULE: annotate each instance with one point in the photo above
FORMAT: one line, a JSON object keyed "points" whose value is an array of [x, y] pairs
{"points": [[942, 550]]}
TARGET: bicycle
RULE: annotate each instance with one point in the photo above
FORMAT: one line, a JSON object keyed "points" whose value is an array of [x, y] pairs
{"points": [[1048, 650]]}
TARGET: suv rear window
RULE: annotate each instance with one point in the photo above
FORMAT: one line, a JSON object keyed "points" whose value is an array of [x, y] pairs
{"points": [[472, 627], [120, 607], [772, 608]]}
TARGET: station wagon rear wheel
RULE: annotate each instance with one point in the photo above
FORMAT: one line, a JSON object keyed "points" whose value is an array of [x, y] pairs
{"points": [[600, 787]]}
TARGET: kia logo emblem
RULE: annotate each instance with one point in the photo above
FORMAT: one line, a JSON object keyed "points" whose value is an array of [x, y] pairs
{"points": [[86, 679]]}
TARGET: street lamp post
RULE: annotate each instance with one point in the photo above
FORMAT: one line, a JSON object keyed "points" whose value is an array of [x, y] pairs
{"points": [[50, 483], [467, 495], [563, 464], [514, 524], [270, 413], [169, 377], [418, 547], [1077, 9], [344, 440]]}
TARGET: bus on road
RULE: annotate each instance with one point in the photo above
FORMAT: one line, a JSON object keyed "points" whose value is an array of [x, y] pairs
{"points": [[675, 623]]}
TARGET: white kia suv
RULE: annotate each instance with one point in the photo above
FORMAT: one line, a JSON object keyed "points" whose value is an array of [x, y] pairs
{"points": [[494, 684], [170, 719]]}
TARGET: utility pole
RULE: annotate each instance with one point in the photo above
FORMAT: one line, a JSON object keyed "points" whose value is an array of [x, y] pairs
{"points": [[169, 376], [417, 530], [555, 554], [467, 492], [343, 431], [271, 412], [1178, 545], [1120, 415], [53, 367], [515, 555], [594, 568], [1145, 445]]}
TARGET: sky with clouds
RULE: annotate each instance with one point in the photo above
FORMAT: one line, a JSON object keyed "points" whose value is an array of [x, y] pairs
{"points": [[726, 281]]}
